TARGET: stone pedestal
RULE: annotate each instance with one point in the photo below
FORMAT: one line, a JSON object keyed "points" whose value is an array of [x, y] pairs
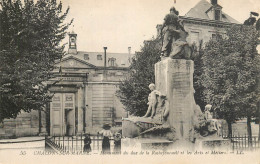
{"points": [[137, 144], [214, 144], [174, 78]]}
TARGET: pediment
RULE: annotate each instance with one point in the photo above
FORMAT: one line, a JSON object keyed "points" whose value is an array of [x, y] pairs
{"points": [[74, 62]]}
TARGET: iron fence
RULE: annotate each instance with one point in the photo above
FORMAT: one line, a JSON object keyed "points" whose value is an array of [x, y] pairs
{"points": [[74, 144], [244, 143]]}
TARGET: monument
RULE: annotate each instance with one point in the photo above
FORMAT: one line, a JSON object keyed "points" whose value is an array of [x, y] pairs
{"points": [[172, 119]]}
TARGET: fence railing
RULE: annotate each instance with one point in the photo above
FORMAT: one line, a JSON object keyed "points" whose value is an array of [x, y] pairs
{"points": [[243, 142], [74, 144]]}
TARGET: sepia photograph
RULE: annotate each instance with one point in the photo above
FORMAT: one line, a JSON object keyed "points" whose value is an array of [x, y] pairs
{"points": [[140, 81]]}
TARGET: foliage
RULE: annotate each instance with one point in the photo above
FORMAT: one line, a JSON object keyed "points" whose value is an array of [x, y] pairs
{"points": [[133, 91], [30, 36], [198, 71], [231, 69]]}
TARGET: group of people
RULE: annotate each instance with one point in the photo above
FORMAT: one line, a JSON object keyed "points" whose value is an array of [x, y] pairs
{"points": [[106, 133]]}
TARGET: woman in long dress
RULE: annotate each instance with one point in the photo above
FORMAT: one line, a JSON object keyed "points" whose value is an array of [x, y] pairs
{"points": [[106, 132]]}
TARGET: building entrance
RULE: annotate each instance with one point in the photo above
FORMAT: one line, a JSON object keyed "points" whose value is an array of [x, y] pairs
{"points": [[62, 114]]}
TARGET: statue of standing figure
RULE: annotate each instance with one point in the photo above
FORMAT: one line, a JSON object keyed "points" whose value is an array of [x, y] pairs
{"points": [[174, 37], [156, 105], [152, 101]]}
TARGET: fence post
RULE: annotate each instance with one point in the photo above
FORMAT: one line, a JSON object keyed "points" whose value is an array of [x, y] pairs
{"points": [[76, 143], [233, 142], [254, 139], [98, 142], [68, 144], [59, 142], [72, 143], [63, 142], [242, 142], [81, 142]]}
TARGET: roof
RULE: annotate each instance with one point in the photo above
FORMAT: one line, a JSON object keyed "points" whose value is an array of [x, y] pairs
{"points": [[121, 59], [200, 11]]}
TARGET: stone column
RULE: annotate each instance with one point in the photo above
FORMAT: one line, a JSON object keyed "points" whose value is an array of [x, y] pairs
{"points": [[174, 78], [80, 110], [88, 113]]}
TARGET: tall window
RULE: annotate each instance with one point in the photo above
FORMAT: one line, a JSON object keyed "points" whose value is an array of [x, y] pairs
{"points": [[217, 14], [194, 37], [112, 62], [86, 57], [99, 57]]}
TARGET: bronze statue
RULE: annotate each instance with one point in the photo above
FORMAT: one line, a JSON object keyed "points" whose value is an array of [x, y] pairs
{"points": [[174, 37]]}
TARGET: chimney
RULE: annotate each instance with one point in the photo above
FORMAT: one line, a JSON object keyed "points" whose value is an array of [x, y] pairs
{"points": [[129, 50], [105, 58], [214, 2]]}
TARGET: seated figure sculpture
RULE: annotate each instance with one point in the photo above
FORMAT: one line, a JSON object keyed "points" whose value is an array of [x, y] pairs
{"points": [[208, 115], [208, 126]]}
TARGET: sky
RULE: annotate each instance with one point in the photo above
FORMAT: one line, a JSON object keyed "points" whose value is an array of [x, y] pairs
{"points": [[119, 24]]}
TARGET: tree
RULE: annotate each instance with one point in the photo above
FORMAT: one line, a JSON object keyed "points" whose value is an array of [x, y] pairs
{"points": [[251, 21], [198, 71], [30, 36], [231, 69], [133, 91]]}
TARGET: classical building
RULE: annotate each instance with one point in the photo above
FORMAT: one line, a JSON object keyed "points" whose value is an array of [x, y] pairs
{"points": [[84, 90], [84, 95], [204, 21]]}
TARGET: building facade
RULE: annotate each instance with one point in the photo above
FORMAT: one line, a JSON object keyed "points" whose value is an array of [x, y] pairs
{"points": [[84, 90]]}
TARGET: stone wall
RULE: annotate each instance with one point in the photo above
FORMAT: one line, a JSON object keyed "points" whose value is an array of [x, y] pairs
{"points": [[102, 105], [26, 124], [201, 32]]}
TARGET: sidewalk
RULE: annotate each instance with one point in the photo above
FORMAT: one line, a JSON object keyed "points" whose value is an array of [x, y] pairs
{"points": [[22, 143]]}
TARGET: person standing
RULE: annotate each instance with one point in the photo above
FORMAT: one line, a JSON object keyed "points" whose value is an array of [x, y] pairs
{"points": [[106, 132], [87, 142], [117, 143]]}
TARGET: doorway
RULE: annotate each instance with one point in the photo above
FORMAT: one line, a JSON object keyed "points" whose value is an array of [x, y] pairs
{"points": [[62, 114]]}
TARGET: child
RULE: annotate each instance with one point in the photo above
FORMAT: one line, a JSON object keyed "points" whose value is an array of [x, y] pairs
{"points": [[117, 142], [87, 142]]}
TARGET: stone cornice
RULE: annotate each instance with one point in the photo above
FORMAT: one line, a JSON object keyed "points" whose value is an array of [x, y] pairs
{"points": [[205, 22]]}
